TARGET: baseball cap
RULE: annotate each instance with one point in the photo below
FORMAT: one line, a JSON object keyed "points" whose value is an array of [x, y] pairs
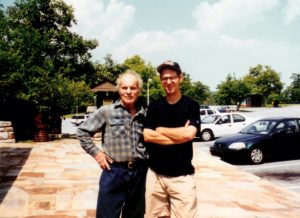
{"points": [[169, 64]]}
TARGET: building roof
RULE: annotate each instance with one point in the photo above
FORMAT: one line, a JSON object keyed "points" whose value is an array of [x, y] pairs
{"points": [[105, 87]]}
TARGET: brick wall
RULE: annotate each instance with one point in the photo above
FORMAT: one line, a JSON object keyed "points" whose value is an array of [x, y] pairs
{"points": [[6, 132]]}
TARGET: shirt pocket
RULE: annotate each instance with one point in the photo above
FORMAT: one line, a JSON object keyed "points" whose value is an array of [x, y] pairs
{"points": [[118, 127]]}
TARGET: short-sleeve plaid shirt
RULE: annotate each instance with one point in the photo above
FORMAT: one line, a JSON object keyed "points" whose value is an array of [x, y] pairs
{"points": [[123, 140]]}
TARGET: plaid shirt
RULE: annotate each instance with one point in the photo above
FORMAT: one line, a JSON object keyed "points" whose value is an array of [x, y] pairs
{"points": [[123, 139]]}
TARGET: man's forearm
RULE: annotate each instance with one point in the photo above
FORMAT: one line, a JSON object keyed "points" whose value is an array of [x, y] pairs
{"points": [[87, 143], [178, 134], [157, 138]]}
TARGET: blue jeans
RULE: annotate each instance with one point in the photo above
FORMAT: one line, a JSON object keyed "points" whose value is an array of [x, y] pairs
{"points": [[122, 191]]}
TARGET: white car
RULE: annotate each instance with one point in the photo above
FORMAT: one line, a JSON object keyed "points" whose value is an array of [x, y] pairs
{"points": [[79, 119], [218, 125], [206, 112]]}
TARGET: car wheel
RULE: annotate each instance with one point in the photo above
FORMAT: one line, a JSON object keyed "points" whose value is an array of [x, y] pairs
{"points": [[207, 135], [256, 155]]}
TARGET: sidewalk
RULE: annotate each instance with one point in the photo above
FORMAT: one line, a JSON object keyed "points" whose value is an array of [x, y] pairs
{"points": [[58, 179]]}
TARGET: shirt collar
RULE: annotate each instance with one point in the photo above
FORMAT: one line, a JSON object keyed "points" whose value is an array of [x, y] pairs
{"points": [[138, 105]]}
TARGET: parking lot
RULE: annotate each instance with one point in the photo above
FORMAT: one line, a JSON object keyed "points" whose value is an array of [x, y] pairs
{"points": [[284, 172]]}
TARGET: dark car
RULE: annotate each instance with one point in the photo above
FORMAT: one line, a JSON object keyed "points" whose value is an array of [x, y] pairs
{"points": [[269, 137]]}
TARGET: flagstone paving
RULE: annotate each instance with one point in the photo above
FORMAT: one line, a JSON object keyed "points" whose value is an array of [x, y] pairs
{"points": [[58, 179]]}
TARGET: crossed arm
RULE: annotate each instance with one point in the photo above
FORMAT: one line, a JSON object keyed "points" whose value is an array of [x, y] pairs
{"points": [[170, 136]]}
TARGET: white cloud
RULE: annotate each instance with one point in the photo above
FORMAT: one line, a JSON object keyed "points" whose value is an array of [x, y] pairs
{"points": [[146, 42], [217, 17], [237, 43], [229, 35], [156, 42], [100, 21], [291, 11]]}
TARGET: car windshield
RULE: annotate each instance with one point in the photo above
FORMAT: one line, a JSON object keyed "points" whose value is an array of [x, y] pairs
{"points": [[259, 127], [78, 117], [210, 119]]}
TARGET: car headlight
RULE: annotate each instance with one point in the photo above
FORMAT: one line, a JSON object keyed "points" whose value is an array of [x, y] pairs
{"points": [[237, 146]]}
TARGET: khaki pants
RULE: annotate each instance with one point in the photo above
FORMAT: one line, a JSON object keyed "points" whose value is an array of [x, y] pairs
{"points": [[171, 196]]}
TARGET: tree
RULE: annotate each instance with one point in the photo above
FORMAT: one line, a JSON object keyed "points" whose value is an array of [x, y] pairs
{"points": [[195, 90], [41, 54], [264, 81], [232, 91], [109, 70], [292, 92]]}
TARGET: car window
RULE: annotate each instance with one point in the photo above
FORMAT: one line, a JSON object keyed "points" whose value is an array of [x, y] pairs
{"points": [[287, 127], [280, 126], [259, 127], [210, 119], [202, 112], [226, 119], [238, 118], [292, 127], [210, 112], [77, 117]]}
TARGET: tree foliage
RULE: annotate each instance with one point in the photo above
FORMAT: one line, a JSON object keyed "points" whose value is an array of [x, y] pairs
{"points": [[264, 81], [109, 70], [40, 53], [292, 93], [232, 91], [195, 90]]}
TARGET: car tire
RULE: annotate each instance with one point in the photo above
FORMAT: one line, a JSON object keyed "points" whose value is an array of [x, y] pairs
{"points": [[256, 155], [207, 135]]}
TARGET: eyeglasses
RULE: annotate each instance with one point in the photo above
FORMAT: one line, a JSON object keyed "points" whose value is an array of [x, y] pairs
{"points": [[171, 78]]}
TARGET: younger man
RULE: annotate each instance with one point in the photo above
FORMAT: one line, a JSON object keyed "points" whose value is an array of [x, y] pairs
{"points": [[171, 125]]}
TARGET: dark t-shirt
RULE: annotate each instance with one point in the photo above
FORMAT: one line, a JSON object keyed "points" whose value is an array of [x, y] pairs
{"points": [[172, 160]]}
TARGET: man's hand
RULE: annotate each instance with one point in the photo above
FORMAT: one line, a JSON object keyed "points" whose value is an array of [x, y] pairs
{"points": [[103, 160], [187, 123]]}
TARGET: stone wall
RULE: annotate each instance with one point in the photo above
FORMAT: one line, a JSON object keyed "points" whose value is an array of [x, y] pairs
{"points": [[6, 132]]}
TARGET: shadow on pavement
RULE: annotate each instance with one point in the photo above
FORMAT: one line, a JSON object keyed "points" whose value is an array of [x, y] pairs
{"points": [[275, 158], [11, 162]]}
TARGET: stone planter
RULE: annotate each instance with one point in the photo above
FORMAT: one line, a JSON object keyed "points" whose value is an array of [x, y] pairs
{"points": [[7, 132]]}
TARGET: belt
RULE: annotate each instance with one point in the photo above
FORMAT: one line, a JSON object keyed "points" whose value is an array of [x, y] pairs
{"points": [[130, 164]]}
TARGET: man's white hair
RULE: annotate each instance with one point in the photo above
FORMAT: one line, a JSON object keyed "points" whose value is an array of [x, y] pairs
{"points": [[133, 73]]}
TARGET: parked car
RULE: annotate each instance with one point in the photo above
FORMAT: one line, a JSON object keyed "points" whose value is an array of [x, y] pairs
{"points": [[79, 119], [264, 138], [218, 125], [203, 106], [206, 112], [226, 109]]}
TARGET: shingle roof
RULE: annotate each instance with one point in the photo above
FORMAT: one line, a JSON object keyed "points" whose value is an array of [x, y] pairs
{"points": [[105, 87]]}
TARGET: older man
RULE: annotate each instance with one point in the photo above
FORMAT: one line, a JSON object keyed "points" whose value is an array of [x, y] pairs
{"points": [[122, 155]]}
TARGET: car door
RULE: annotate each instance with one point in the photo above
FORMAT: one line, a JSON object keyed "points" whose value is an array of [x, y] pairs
{"points": [[229, 124], [238, 122], [286, 137], [223, 126]]}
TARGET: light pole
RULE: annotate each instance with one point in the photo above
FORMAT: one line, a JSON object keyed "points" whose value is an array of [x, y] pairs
{"points": [[148, 95], [95, 100]]}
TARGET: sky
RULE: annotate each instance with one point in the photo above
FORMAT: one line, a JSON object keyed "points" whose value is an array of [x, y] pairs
{"points": [[208, 38]]}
